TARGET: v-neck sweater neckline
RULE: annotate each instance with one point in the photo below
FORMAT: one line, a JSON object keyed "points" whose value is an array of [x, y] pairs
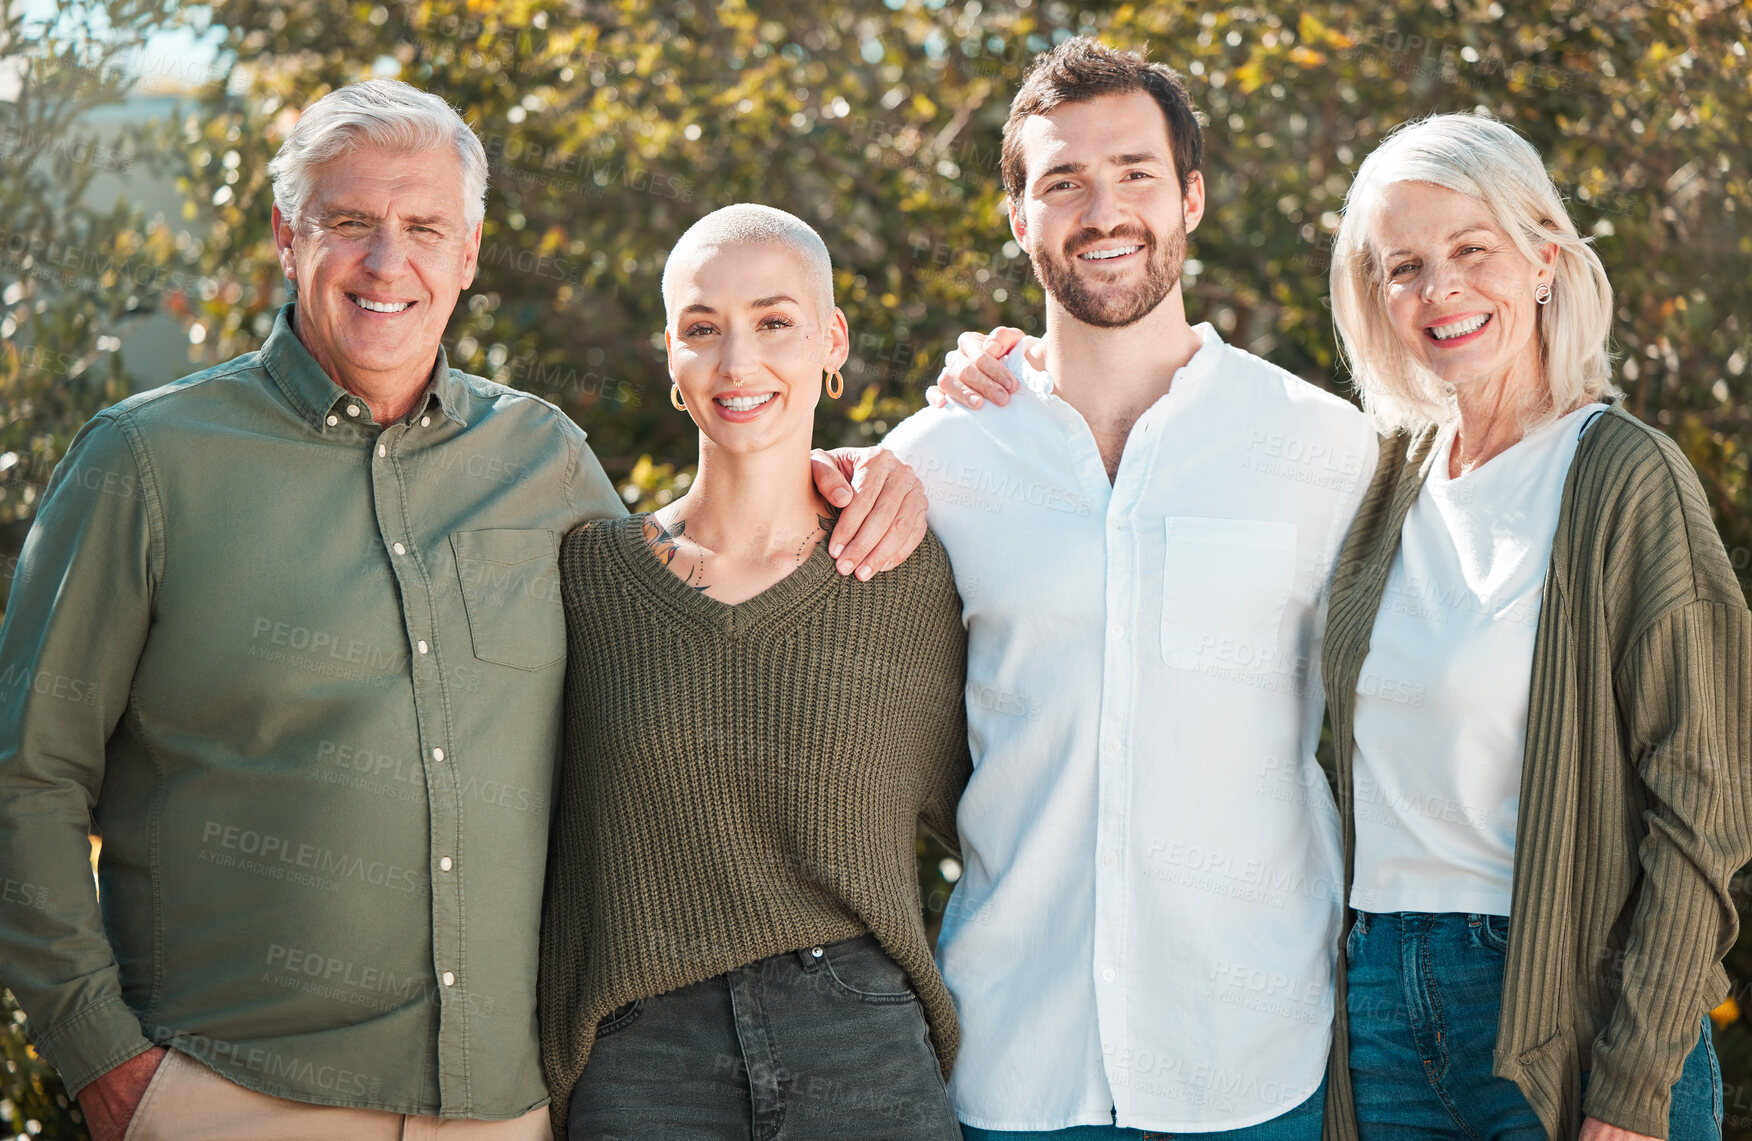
{"points": [[667, 589]]}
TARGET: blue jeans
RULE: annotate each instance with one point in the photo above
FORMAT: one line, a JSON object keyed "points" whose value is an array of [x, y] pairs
{"points": [[1425, 991], [1299, 1124]]}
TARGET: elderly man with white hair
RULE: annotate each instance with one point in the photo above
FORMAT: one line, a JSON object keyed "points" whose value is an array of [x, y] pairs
{"points": [[290, 634]]}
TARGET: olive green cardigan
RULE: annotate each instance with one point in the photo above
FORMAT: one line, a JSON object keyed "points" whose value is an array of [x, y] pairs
{"points": [[1636, 790]]}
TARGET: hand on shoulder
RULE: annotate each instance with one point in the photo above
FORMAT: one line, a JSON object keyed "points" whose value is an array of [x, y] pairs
{"points": [[975, 371]]}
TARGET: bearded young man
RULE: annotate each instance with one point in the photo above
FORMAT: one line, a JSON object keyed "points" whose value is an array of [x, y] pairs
{"points": [[1143, 538]]}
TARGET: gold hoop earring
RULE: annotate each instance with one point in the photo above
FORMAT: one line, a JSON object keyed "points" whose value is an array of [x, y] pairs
{"points": [[836, 384], [675, 398]]}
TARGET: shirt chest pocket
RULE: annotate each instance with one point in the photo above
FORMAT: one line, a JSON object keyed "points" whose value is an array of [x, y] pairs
{"points": [[511, 588], [1225, 585]]}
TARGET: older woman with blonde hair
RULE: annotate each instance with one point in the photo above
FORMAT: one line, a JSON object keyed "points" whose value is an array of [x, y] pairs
{"points": [[1536, 662]]}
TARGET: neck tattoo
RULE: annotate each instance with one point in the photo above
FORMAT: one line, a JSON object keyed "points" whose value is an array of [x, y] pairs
{"points": [[669, 543]]}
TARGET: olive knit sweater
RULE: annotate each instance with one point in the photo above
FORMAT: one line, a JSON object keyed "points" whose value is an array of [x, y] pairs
{"points": [[740, 781]]}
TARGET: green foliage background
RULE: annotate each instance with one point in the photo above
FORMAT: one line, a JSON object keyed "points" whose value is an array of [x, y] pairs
{"points": [[612, 124]]}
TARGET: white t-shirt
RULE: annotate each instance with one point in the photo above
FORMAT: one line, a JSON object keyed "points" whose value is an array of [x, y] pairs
{"points": [[1441, 717]]}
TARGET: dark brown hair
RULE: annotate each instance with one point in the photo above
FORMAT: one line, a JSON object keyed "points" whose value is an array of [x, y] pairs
{"points": [[1082, 69]]}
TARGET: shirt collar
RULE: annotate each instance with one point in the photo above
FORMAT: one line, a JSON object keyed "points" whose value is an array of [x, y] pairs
{"points": [[325, 404], [1202, 363], [448, 391]]}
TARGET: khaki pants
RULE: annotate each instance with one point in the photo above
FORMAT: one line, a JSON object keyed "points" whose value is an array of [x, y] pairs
{"points": [[188, 1102]]}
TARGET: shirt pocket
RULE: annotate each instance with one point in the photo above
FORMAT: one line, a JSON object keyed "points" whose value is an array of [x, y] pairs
{"points": [[1225, 584], [511, 589]]}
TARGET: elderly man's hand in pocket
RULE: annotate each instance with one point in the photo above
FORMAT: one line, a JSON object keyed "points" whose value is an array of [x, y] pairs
{"points": [[109, 1102]]}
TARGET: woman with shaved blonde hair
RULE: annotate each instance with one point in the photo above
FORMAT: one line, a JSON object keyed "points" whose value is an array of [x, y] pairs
{"points": [[1537, 663], [732, 944]]}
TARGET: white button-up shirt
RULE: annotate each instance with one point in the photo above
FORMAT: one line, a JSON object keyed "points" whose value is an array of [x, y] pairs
{"points": [[1144, 928]]}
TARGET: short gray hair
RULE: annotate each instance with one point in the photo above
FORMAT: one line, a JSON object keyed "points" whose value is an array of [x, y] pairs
{"points": [[1486, 160], [376, 112], [751, 224]]}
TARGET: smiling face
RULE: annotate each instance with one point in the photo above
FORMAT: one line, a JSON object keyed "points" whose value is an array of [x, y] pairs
{"points": [[1459, 293], [748, 347], [1101, 214], [380, 255]]}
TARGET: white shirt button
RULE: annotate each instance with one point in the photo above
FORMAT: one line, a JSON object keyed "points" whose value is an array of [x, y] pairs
{"points": [[1111, 860], [333, 420], [444, 864], [423, 647], [382, 450], [1113, 744], [438, 755], [1116, 630], [425, 421], [399, 549], [450, 979], [1107, 975], [352, 409]]}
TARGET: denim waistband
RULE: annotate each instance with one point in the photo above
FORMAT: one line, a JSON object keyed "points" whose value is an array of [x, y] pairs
{"points": [[1367, 919]]}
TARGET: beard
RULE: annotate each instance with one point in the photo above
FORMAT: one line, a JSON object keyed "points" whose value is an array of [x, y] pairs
{"points": [[1112, 305]]}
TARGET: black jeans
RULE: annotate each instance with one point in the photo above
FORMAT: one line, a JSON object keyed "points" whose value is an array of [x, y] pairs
{"points": [[813, 1045]]}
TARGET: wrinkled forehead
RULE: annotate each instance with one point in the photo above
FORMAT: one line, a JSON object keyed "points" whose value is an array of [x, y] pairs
{"points": [[389, 183]]}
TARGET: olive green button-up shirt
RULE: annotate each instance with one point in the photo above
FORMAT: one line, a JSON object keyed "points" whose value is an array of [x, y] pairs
{"points": [[304, 671]]}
